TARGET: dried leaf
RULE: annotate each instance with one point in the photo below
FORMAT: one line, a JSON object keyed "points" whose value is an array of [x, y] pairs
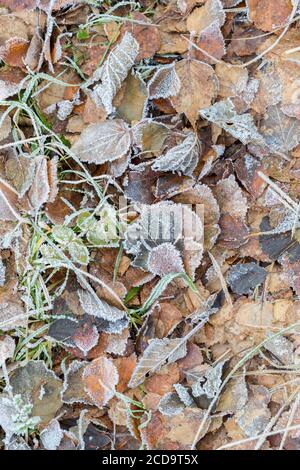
{"points": [[181, 159], [52, 435], [165, 259], [281, 348], [243, 278], [240, 126], [255, 415], [40, 189], [281, 133], [20, 171], [174, 432], [5, 128], [164, 83], [103, 142], [145, 33], [100, 378], [7, 348], [194, 75], [157, 353], [230, 198], [73, 390], [40, 387], [131, 105], [12, 312], [8, 203], [210, 383], [269, 14], [113, 72], [203, 17], [92, 305], [170, 404]]}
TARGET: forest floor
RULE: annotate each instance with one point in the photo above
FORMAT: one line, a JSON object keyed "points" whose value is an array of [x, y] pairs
{"points": [[150, 234]]}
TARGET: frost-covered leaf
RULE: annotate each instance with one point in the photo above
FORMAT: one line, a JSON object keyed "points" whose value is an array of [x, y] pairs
{"points": [[117, 343], [184, 395], [278, 245], [210, 383], [12, 312], [165, 259], [240, 126], [243, 278], [170, 404], [52, 435], [5, 127], [255, 415], [281, 348], [175, 432], [100, 378], [20, 172], [103, 142], [107, 79], [157, 353], [269, 14], [86, 337], [164, 83], [182, 158], [52, 178], [38, 386], [17, 443], [204, 16], [234, 397], [79, 252], [2, 273], [150, 136], [73, 391], [8, 89], [8, 203], [281, 133], [231, 198], [40, 189], [63, 330], [93, 305], [63, 235], [194, 76], [113, 326], [7, 410], [51, 256], [7, 348]]}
